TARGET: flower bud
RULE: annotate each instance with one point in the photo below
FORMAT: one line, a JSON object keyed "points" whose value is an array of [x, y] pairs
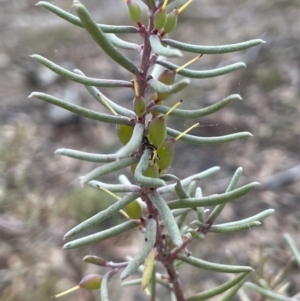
{"points": [[139, 105], [160, 18], [157, 130], [152, 171], [134, 11], [124, 133], [166, 154], [156, 113], [91, 282], [167, 77], [134, 210], [171, 21]]}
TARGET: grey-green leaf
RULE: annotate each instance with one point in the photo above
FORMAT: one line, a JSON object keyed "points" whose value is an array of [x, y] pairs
{"points": [[159, 49], [101, 216], [214, 199], [76, 21], [167, 217], [205, 73], [218, 289], [100, 38], [139, 258], [141, 167], [108, 168], [217, 267], [208, 140], [80, 110], [189, 114], [102, 235], [212, 49], [89, 81], [85, 156], [174, 88]]}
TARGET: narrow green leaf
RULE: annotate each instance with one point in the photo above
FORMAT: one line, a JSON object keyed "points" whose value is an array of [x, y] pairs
{"points": [[134, 142], [76, 21], [292, 245], [158, 69], [108, 168], [89, 81], [132, 282], [111, 232], [267, 293], [212, 49], [96, 93], [141, 167], [174, 88], [219, 208], [178, 212], [205, 73], [233, 228], [228, 295], [91, 157], [217, 267], [217, 290], [159, 49], [80, 110], [139, 258], [189, 114], [103, 215], [115, 187], [215, 199], [181, 193], [167, 217], [192, 189], [98, 35], [185, 182], [255, 218], [116, 41], [104, 284], [208, 140]]}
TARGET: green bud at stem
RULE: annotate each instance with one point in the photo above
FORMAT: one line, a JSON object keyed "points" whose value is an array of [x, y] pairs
{"points": [[160, 18], [91, 282], [124, 133], [152, 171], [167, 77], [166, 154], [171, 21], [139, 106], [157, 130], [134, 11]]}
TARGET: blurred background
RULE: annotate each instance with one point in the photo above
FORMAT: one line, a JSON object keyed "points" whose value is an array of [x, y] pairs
{"points": [[40, 195]]}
